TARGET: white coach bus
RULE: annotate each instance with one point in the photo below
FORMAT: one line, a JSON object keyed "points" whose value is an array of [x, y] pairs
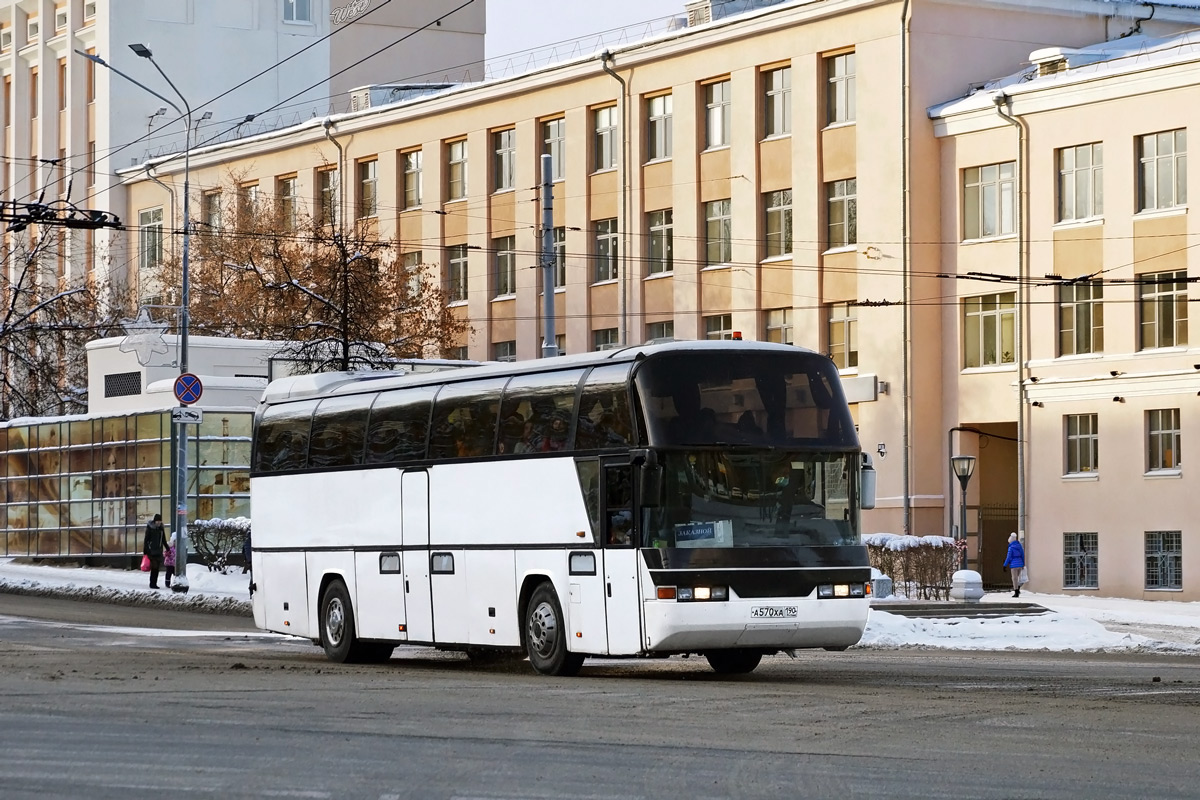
{"points": [[686, 497]]}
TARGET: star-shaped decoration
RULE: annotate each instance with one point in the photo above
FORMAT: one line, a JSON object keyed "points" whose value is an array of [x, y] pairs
{"points": [[144, 336]]}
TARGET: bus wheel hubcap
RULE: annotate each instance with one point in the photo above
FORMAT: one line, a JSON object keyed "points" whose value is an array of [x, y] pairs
{"points": [[335, 621], [543, 626]]}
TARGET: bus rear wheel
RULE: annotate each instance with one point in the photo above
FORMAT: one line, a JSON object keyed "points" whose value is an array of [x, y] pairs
{"points": [[733, 662], [546, 635]]}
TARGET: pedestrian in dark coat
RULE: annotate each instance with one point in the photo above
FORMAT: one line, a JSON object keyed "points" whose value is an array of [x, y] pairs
{"points": [[1015, 562], [153, 547]]}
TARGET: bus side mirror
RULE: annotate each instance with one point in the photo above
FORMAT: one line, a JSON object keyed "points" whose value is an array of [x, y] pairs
{"points": [[867, 478]]}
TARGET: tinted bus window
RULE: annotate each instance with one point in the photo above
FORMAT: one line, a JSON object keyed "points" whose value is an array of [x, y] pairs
{"points": [[537, 412], [604, 418], [399, 425], [772, 399], [282, 439], [339, 428], [464, 419]]}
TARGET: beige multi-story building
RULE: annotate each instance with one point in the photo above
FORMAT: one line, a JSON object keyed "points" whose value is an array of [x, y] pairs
{"points": [[774, 173], [69, 124]]}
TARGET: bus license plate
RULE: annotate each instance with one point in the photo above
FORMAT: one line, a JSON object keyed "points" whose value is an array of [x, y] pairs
{"points": [[773, 612]]}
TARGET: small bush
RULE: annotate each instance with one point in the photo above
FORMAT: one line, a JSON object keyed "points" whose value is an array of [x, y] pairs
{"points": [[212, 541], [921, 567]]}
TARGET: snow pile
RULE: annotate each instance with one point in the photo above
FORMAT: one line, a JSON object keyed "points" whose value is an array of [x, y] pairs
{"points": [[897, 542]]}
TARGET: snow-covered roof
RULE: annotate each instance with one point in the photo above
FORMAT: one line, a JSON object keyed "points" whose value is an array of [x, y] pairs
{"points": [[1064, 66]]}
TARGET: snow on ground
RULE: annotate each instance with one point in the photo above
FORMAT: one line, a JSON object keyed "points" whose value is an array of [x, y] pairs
{"points": [[1075, 623]]}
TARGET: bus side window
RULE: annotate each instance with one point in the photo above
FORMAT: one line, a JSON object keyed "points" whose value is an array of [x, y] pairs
{"points": [[537, 412], [618, 501], [282, 439], [339, 429], [604, 417], [465, 419], [398, 425], [589, 485]]}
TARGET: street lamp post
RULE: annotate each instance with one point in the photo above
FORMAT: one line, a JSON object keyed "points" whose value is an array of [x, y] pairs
{"points": [[963, 466], [181, 433]]}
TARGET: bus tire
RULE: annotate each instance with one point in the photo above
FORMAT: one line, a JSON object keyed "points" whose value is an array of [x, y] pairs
{"points": [[337, 625], [546, 635], [733, 662]]}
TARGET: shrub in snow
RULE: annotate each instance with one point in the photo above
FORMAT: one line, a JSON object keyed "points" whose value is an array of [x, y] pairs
{"points": [[921, 567], [213, 540]]}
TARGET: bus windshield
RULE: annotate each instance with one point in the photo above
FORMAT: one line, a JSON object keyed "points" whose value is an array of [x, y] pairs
{"points": [[775, 399], [720, 499]]}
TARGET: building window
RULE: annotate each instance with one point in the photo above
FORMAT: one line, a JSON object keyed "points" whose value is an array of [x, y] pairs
{"points": [[89, 9], [327, 196], [1163, 439], [60, 19], [560, 257], [605, 339], [150, 239], [839, 103], [412, 179], [843, 335], [606, 137], [717, 121], [504, 148], [1163, 309], [718, 233], [554, 144], [658, 130], [606, 250], [989, 200], [1083, 443], [456, 162], [779, 326], [505, 351], [777, 87], [662, 242], [459, 353], [288, 202], [456, 273], [62, 84], [989, 322], [1080, 561], [1164, 560], [368, 181], [560, 341], [1162, 179], [32, 28], [718, 326], [6, 40], [506, 265], [777, 213], [1080, 318], [1080, 182], [843, 212], [247, 205], [297, 10], [210, 210], [656, 331]]}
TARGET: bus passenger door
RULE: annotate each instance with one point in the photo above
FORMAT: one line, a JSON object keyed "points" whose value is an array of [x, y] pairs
{"points": [[623, 606], [414, 535]]}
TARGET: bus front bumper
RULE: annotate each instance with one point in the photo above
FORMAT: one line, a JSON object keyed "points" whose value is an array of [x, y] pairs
{"points": [[768, 623]]}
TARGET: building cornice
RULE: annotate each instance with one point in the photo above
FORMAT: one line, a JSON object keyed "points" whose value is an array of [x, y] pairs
{"points": [[1106, 386]]}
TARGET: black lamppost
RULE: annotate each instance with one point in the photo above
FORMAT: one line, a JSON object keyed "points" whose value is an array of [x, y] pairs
{"points": [[963, 466]]}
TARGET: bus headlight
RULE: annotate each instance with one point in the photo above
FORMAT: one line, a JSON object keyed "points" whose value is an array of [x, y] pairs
{"points": [[720, 593], [684, 594], [701, 593]]}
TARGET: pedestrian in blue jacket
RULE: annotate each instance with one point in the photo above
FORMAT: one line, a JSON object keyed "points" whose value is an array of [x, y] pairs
{"points": [[1015, 562]]}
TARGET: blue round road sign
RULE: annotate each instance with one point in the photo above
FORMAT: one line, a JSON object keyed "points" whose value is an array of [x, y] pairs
{"points": [[188, 389]]}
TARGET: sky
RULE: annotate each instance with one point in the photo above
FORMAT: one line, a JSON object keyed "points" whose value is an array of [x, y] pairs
{"points": [[1074, 623], [518, 25]]}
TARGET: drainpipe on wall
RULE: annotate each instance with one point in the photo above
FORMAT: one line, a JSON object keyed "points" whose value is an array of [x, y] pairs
{"points": [[905, 263], [623, 204], [1002, 102], [341, 236]]}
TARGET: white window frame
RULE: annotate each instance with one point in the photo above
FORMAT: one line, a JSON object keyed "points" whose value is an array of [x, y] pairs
{"points": [[504, 159], [328, 194], [660, 330], [456, 170], [1164, 560], [718, 122], [1082, 444], [368, 188], [842, 213], [89, 10], [1164, 440], [777, 102], [989, 201], [604, 123], [840, 101], [505, 351], [1081, 560], [777, 324], [994, 315], [211, 210], [605, 339], [150, 239], [659, 111], [60, 19], [1081, 182], [1080, 318], [6, 39], [777, 223], [606, 242], [718, 327], [286, 189], [457, 271], [718, 233], [298, 12], [554, 144], [559, 236], [1162, 310], [842, 330], [661, 225], [505, 255], [1162, 170]]}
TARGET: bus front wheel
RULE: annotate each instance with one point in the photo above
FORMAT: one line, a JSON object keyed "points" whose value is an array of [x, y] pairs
{"points": [[733, 662], [337, 625], [546, 635]]}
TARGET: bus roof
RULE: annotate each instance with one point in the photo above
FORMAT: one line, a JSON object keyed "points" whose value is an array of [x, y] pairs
{"points": [[418, 372]]}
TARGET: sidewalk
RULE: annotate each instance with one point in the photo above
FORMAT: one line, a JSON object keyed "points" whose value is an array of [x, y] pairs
{"points": [[1078, 623]]}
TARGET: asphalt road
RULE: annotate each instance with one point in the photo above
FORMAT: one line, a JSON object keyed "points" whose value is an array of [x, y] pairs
{"points": [[113, 702]]}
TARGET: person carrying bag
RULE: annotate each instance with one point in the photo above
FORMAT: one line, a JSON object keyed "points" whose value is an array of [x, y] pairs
{"points": [[153, 547], [1014, 562]]}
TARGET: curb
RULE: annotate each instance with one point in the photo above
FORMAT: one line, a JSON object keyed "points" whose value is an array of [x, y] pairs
{"points": [[200, 604]]}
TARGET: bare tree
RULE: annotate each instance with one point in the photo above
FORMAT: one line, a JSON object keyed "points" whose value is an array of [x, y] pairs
{"points": [[46, 319], [341, 299]]}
